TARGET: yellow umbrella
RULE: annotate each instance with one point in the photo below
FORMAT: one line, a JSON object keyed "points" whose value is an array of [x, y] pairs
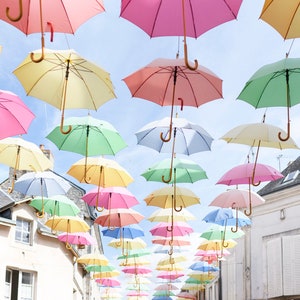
{"points": [[173, 259], [100, 171], [106, 274], [128, 244], [134, 261], [22, 155], [64, 79], [202, 276], [165, 215], [164, 197], [170, 267], [69, 224], [217, 244], [93, 259]]}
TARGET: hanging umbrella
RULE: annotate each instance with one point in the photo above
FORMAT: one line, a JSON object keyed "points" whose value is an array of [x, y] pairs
{"points": [[182, 170], [131, 244], [55, 16], [169, 267], [89, 137], [170, 82], [100, 171], [68, 224], [105, 274], [99, 268], [58, 205], [173, 241], [202, 277], [134, 261], [236, 198], [118, 217], [166, 287], [179, 229], [179, 18], [165, 215], [45, 183], [129, 232], [108, 282], [136, 270], [15, 116], [282, 16], [170, 275], [172, 259], [64, 79], [135, 253], [137, 294], [274, 85], [221, 233], [93, 259], [164, 294], [188, 137], [77, 238], [186, 295], [110, 197], [163, 197], [22, 155]]}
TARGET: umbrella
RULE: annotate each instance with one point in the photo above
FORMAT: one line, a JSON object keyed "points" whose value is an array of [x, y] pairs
{"points": [[166, 286], [58, 205], [185, 170], [172, 259], [110, 197], [162, 293], [22, 155], [165, 80], [64, 79], [119, 217], [135, 253], [169, 267], [275, 84], [136, 270], [108, 282], [77, 238], [188, 138], [171, 275], [16, 117], [60, 16], [127, 245], [69, 224], [99, 268], [44, 183], [89, 137], [236, 198], [179, 18], [93, 259], [130, 232], [134, 261], [105, 274], [173, 241], [282, 16], [100, 171], [165, 215], [220, 232], [179, 229], [217, 245], [164, 197], [186, 295]]}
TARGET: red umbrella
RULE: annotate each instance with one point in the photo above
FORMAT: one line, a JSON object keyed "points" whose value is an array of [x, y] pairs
{"points": [[15, 116], [35, 16]]}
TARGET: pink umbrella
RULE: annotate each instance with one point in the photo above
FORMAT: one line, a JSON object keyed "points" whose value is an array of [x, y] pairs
{"points": [[77, 238], [15, 116], [249, 173], [164, 229], [137, 294], [136, 270], [166, 287], [119, 217], [110, 197], [171, 275], [108, 282], [172, 242]]}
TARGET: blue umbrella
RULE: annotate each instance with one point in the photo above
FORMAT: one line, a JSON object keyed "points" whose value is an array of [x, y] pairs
{"points": [[130, 232], [200, 266]]}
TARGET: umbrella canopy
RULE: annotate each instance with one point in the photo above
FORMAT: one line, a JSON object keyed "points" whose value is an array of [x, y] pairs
{"points": [[77, 238], [93, 259], [188, 137], [64, 79], [135, 270], [15, 116], [100, 171], [105, 274], [89, 137], [283, 16], [68, 224], [217, 244], [171, 275], [130, 232], [165, 215], [22, 155], [173, 241], [243, 174], [119, 217], [135, 253], [99, 268], [164, 197], [221, 233], [58, 205], [108, 282], [44, 183], [183, 170], [110, 197], [128, 244], [134, 261], [274, 85], [186, 295], [166, 286], [179, 229]]}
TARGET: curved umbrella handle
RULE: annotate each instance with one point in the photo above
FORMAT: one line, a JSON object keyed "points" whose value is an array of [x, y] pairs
{"points": [[18, 18], [170, 252], [97, 201], [250, 209], [288, 133], [192, 68], [62, 126], [40, 214], [37, 60], [169, 179], [68, 246], [236, 219], [169, 135]]}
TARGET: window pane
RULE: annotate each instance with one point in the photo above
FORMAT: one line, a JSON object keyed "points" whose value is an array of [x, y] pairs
{"points": [[23, 231], [26, 286], [7, 285]]}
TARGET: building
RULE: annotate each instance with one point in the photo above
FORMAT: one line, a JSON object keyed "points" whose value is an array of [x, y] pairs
{"points": [[266, 262], [34, 264]]}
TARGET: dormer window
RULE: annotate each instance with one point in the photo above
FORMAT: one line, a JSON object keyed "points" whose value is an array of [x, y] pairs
{"points": [[290, 176]]}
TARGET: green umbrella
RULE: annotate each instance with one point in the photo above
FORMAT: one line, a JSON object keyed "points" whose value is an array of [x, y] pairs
{"points": [[275, 85], [135, 253], [59, 205], [89, 137], [99, 268], [163, 293], [183, 170]]}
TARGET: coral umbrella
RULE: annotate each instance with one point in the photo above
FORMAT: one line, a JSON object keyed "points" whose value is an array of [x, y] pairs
{"points": [[77, 238], [15, 116]]}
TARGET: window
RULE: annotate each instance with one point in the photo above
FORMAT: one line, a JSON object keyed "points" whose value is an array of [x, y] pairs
{"points": [[23, 228], [290, 177], [19, 285]]}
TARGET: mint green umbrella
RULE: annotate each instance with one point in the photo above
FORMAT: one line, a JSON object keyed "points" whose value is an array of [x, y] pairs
{"points": [[274, 85], [99, 268]]}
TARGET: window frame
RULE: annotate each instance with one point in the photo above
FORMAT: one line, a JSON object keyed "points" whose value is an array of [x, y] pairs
{"points": [[20, 230]]}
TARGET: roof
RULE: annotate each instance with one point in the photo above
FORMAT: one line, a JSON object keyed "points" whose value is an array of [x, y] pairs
{"points": [[6, 201], [291, 178]]}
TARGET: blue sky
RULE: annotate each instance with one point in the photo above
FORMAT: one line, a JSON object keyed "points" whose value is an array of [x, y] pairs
{"points": [[233, 51]]}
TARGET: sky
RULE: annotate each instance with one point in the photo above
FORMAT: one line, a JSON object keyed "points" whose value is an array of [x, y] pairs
{"points": [[233, 51]]}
